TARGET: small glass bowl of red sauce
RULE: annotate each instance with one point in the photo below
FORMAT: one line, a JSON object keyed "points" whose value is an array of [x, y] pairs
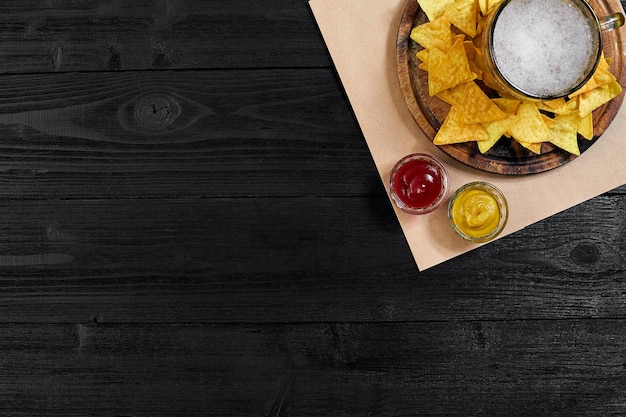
{"points": [[419, 183]]}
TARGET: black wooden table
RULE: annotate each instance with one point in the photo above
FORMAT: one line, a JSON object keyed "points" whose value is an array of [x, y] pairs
{"points": [[192, 225]]}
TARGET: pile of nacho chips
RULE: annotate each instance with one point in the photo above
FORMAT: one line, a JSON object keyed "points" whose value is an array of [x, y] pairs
{"points": [[454, 75]]}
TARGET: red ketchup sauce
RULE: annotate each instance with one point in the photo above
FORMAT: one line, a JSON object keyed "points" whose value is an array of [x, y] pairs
{"points": [[419, 184]]}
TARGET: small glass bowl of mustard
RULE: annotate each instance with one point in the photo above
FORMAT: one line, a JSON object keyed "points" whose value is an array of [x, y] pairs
{"points": [[478, 212]]}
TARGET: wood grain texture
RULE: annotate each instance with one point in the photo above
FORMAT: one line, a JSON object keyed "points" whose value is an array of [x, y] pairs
{"points": [[65, 36], [180, 134], [293, 260], [559, 368]]}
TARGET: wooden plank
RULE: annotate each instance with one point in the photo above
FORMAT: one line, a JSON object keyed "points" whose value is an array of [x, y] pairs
{"points": [[172, 134], [522, 368], [62, 36], [293, 260]]}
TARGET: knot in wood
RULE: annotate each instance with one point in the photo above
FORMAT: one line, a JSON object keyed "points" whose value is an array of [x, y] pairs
{"points": [[156, 111], [585, 253]]}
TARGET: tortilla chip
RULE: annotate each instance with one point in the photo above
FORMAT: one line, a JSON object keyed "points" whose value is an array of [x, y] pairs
{"points": [[533, 147], [447, 70], [470, 52], [604, 62], [453, 95], [486, 6], [591, 100], [476, 107], [529, 126], [565, 133], [493, 3], [601, 76], [495, 129], [462, 14], [559, 105], [498, 128], [483, 5], [423, 56], [585, 126], [434, 8], [507, 105], [453, 131], [434, 34], [555, 104]]}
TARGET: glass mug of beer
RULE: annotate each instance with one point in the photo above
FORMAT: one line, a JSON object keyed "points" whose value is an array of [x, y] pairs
{"points": [[542, 49]]}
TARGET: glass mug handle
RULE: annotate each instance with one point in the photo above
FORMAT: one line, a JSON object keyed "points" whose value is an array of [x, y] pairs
{"points": [[611, 22]]}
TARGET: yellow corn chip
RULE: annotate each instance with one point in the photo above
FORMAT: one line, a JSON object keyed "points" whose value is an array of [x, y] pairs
{"points": [[453, 131], [591, 100], [434, 8], [589, 85], [498, 128], [585, 126], [453, 95], [533, 147], [507, 105], [470, 52], [573, 104], [462, 14], [558, 106], [447, 70], [485, 145], [555, 104], [476, 107], [604, 62], [603, 77], [529, 126], [434, 34], [495, 130], [483, 6], [548, 121], [600, 77], [480, 26], [488, 79], [494, 3], [457, 37], [423, 56], [565, 133]]}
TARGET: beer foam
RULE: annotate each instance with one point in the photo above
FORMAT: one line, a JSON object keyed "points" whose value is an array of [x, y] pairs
{"points": [[544, 47]]}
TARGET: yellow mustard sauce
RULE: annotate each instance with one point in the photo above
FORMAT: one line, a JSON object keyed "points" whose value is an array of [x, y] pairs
{"points": [[476, 213]]}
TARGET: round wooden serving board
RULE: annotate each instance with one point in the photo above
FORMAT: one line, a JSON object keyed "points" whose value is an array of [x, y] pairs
{"points": [[507, 156]]}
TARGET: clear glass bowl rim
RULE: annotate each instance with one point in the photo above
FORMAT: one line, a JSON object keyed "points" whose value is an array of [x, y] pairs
{"points": [[502, 205], [445, 184]]}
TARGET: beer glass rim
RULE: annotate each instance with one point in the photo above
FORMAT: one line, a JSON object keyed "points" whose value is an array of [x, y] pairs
{"points": [[525, 94]]}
